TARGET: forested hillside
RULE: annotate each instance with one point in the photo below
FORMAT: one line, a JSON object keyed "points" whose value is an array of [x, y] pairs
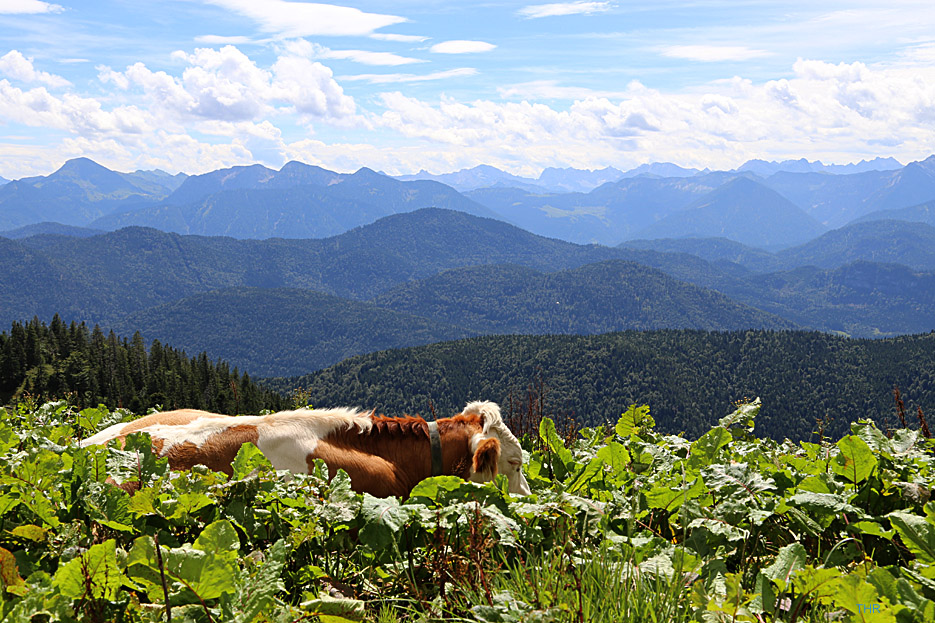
{"points": [[89, 367], [283, 331], [287, 331], [684, 376], [596, 298]]}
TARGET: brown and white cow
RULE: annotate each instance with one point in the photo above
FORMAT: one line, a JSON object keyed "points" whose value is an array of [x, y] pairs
{"points": [[382, 455]]}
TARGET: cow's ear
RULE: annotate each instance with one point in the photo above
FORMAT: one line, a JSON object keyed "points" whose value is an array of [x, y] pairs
{"points": [[487, 456]]}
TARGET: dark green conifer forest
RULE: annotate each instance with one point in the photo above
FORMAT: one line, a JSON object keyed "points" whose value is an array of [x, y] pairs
{"points": [[89, 367]]}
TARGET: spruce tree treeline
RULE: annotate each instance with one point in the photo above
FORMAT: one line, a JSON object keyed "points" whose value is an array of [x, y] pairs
{"points": [[90, 367]]}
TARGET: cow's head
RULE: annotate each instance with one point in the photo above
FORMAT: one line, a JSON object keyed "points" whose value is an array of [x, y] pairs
{"points": [[496, 450]]}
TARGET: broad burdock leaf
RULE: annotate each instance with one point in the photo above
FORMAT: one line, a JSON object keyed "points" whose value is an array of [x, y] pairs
{"points": [[383, 520], [706, 448], [249, 459], [720, 528], [617, 459], [823, 507], [855, 460], [673, 493], [736, 479], [256, 592], [206, 570], [94, 574], [917, 535], [818, 584], [31, 532], [429, 490], [584, 475], [635, 420], [790, 559], [109, 506], [332, 610], [743, 416], [219, 538]]}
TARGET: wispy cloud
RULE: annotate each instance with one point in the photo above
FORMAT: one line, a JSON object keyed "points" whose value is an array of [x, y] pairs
{"points": [[564, 8], [713, 53], [225, 40], [550, 89], [398, 38], [304, 19], [394, 78], [365, 57], [460, 46], [302, 47], [29, 6]]}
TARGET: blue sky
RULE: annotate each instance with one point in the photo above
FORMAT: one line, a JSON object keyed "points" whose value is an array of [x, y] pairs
{"points": [[195, 85]]}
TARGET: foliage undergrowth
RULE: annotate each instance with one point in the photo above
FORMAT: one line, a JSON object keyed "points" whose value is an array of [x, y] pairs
{"points": [[624, 524]]}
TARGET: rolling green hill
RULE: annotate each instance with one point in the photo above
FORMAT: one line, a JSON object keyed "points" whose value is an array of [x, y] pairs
{"points": [[882, 241], [283, 331], [743, 210], [273, 332], [686, 377], [102, 278], [712, 250], [606, 296]]}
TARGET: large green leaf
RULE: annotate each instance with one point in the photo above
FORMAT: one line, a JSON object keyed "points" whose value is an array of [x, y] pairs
{"points": [[93, 574], [744, 416], [917, 535], [790, 558], [248, 459], [384, 519], [705, 449], [855, 460], [256, 592], [196, 573], [561, 459], [634, 420]]}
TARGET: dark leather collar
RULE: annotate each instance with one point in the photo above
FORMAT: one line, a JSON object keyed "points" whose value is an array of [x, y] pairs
{"points": [[436, 442]]}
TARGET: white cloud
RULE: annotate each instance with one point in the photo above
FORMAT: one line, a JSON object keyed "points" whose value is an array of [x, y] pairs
{"points": [[18, 67], [225, 85], [310, 88], [564, 8], [461, 72], [305, 19], [713, 53], [365, 57], [460, 46], [398, 38], [225, 40], [550, 89], [836, 112], [304, 48], [29, 6]]}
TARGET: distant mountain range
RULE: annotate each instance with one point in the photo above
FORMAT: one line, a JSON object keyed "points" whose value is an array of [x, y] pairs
{"points": [[796, 201], [923, 213], [298, 201], [448, 274], [565, 180], [79, 192], [890, 242], [3, 181], [741, 209], [765, 169], [49, 227]]}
